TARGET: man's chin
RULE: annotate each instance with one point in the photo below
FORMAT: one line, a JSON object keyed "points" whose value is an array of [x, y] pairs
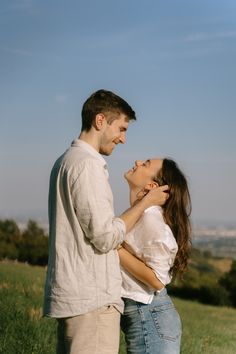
{"points": [[106, 152]]}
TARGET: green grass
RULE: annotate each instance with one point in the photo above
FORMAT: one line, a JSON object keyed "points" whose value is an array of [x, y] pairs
{"points": [[206, 329]]}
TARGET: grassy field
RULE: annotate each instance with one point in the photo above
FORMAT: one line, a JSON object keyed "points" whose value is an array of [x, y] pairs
{"points": [[206, 329]]}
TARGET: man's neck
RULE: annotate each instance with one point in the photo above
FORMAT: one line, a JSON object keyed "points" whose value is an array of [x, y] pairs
{"points": [[90, 138]]}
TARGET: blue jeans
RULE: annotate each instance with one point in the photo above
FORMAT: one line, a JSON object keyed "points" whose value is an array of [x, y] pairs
{"points": [[153, 328]]}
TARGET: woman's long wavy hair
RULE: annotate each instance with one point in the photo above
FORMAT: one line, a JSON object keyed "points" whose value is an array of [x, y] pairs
{"points": [[176, 212]]}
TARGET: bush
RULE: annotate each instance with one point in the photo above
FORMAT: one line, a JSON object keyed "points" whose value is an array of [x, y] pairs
{"points": [[228, 281], [184, 292], [216, 295], [30, 246], [33, 247], [9, 237]]}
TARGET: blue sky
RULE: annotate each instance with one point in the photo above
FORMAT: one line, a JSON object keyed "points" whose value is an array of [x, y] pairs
{"points": [[173, 61]]}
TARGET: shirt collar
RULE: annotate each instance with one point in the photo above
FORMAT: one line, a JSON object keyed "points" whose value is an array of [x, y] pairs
{"points": [[153, 207], [81, 143]]}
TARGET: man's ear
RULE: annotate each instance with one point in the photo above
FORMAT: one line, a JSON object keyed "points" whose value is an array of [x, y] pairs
{"points": [[150, 186], [99, 121]]}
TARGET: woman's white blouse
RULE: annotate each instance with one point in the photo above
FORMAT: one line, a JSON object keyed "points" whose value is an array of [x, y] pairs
{"points": [[152, 241]]}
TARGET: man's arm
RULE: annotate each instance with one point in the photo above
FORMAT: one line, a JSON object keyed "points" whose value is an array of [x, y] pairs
{"points": [[93, 205], [157, 196], [138, 269]]}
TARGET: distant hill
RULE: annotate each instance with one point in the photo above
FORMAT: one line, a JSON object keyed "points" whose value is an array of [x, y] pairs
{"points": [[202, 280], [221, 246]]}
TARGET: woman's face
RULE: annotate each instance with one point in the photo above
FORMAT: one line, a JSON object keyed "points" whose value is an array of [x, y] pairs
{"points": [[143, 172]]}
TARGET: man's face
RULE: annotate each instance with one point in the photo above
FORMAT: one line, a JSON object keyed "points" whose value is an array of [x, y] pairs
{"points": [[113, 134]]}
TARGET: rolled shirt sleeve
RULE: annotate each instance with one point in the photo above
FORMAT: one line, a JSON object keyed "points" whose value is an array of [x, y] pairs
{"points": [[161, 264], [93, 204]]}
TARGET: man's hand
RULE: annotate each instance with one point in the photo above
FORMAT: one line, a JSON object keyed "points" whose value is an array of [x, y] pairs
{"points": [[157, 196]]}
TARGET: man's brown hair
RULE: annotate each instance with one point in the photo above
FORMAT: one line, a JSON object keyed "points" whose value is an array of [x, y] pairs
{"points": [[105, 102]]}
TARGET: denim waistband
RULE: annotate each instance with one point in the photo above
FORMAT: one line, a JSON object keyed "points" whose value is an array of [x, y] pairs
{"points": [[161, 292], [158, 296]]}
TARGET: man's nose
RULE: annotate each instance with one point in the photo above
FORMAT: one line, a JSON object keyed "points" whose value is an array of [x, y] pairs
{"points": [[122, 138]]}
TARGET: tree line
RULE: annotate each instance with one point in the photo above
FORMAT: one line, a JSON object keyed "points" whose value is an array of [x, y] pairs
{"points": [[29, 245], [202, 281]]}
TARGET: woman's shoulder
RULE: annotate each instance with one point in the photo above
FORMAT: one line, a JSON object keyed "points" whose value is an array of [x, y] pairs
{"points": [[153, 214], [156, 228]]}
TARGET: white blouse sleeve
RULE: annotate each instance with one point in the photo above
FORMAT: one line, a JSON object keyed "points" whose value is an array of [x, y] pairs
{"points": [[159, 246]]}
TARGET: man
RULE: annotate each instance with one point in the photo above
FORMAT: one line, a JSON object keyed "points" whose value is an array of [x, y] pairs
{"points": [[83, 281]]}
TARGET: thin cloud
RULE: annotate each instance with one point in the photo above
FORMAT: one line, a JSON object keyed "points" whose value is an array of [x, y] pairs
{"points": [[18, 5], [203, 36], [22, 52], [21, 4], [61, 98], [17, 51]]}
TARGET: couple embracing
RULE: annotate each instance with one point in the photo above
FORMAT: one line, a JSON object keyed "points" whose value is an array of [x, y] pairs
{"points": [[106, 271]]}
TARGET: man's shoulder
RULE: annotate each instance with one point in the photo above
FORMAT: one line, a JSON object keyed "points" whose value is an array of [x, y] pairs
{"points": [[76, 157], [77, 160]]}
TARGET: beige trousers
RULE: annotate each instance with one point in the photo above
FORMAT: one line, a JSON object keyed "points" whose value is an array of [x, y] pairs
{"points": [[96, 332]]}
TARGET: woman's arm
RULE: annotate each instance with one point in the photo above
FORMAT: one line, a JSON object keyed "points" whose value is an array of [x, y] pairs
{"points": [[139, 269]]}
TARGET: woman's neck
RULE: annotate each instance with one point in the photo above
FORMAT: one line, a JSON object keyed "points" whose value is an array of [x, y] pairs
{"points": [[133, 195]]}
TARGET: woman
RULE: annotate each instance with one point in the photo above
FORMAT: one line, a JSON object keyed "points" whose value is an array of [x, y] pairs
{"points": [[154, 251]]}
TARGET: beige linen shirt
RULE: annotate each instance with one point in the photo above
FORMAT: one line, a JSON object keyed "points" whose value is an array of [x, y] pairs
{"points": [[152, 241], [83, 268]]}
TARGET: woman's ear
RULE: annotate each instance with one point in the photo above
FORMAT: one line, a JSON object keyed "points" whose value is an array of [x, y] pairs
{"points": [[150, 186], [146, 189]]}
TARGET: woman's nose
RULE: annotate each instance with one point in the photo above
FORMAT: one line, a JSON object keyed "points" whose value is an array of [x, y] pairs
{"points": [[138, 162]]}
